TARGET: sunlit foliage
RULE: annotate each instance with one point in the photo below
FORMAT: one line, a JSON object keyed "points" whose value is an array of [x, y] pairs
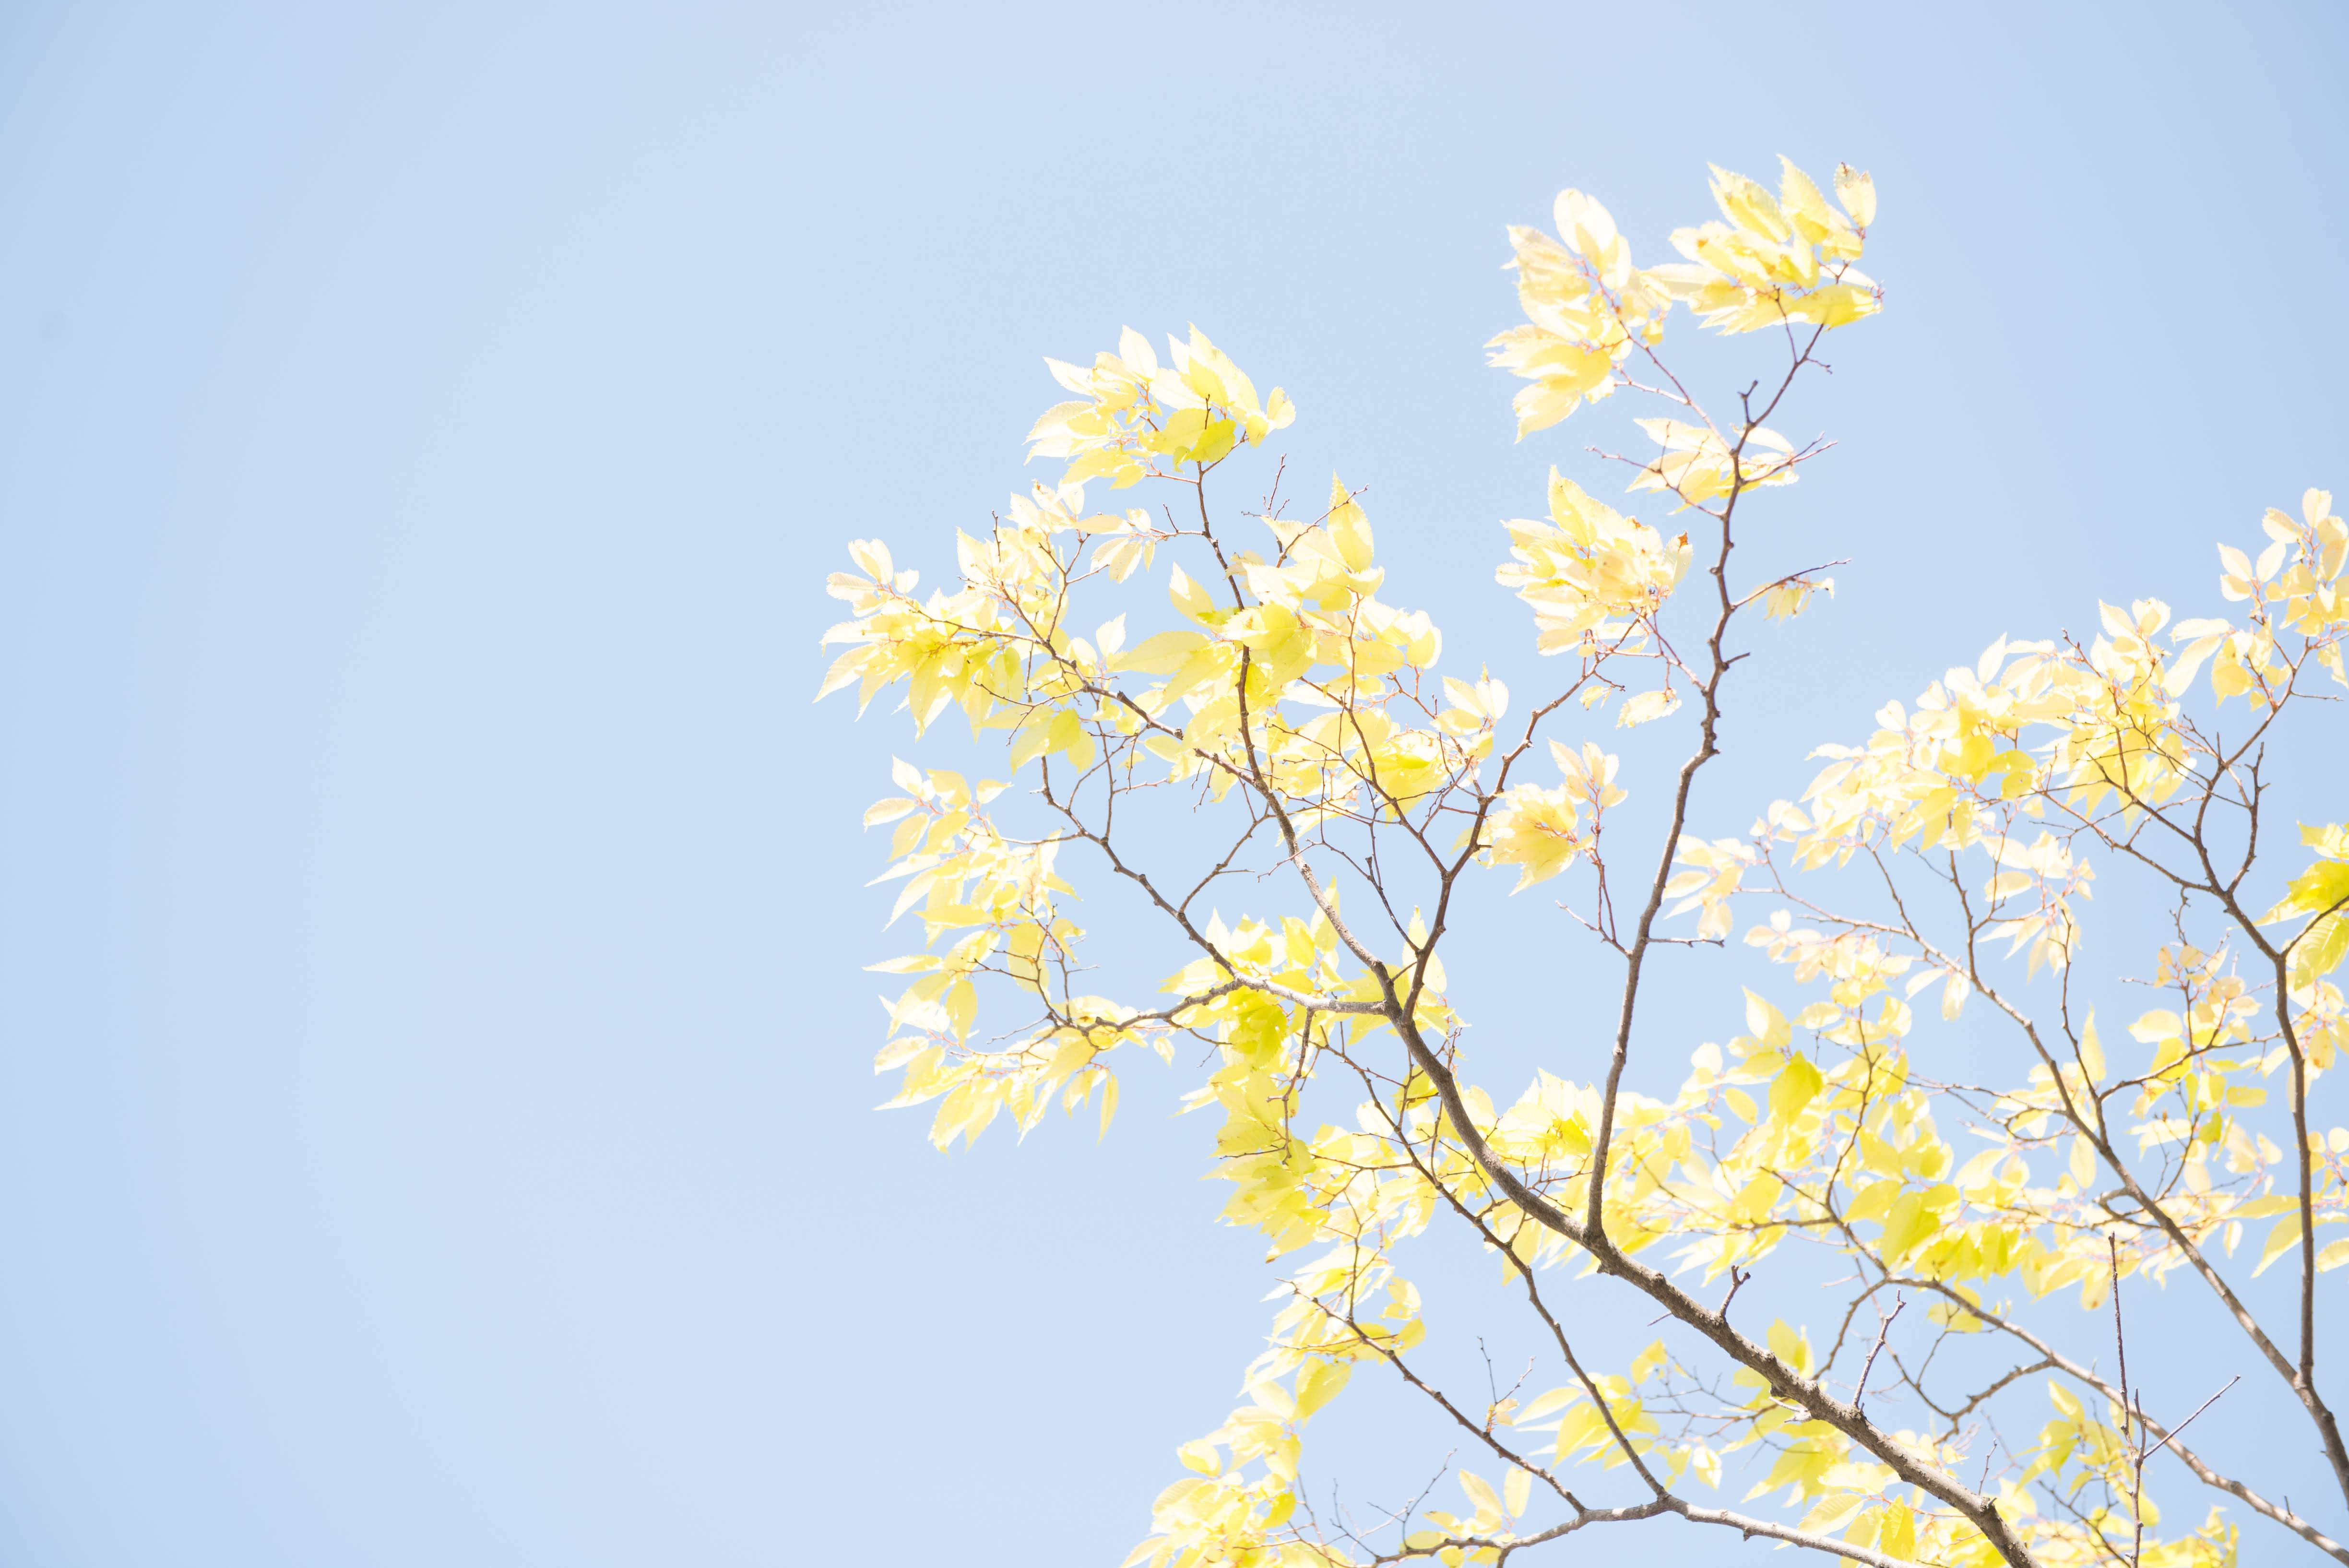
{"points": [[1352, 794]]}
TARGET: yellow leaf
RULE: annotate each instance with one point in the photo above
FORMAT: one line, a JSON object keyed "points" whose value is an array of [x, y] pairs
{"points": [[1555, 1400], [2319, 950], [1767, 1024], [1706, 1464], [1908, 1223], [2281, 1237], [1318, 1383], [1834, 1513], [1790, 1346], [1162, 654], [2091, 1051], [1188, 597], [1350, 526], [1896, 1531], [1214, 443], [1856, 191], [1646, 706], [1797, 1084]]}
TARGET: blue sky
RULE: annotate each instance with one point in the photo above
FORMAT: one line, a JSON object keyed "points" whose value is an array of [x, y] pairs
{"points": [[434, 1089]]}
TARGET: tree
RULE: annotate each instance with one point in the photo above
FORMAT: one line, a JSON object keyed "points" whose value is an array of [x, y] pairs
{"points": [[1300, 722]]}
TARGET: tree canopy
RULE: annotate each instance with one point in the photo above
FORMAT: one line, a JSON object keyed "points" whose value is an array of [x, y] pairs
{"points": [[1326, 774]]}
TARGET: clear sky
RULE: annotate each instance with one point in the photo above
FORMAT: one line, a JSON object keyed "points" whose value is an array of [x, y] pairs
{"points": [[434, 1065]]}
